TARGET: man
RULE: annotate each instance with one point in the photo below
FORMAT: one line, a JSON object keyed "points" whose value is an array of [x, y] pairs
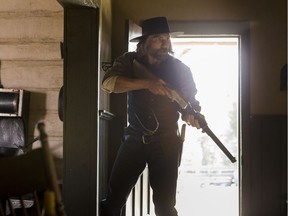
{"points": [[152, 137]]}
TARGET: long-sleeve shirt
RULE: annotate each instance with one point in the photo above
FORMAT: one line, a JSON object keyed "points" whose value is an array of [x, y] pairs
{"points": [[150, 113]]}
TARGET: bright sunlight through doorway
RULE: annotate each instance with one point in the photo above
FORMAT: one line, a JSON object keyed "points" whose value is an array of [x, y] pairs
{"points": [[208, 182]]}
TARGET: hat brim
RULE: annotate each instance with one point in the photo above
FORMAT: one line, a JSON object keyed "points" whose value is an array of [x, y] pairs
{"points": [[172, 34], [137, 39]]}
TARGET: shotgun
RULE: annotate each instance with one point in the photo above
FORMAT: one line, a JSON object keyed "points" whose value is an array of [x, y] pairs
{"points": [[141, 71]]}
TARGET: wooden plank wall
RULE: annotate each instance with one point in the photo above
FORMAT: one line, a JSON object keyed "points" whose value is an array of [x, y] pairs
{"points": [[268, 177], [30, 57]]}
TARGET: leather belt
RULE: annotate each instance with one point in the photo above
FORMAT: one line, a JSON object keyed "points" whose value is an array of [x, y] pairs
{"points": [[147, 139]]}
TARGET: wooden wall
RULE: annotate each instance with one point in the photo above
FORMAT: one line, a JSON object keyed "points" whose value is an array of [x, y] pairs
{"points": [[268, 167], [30, 36]]}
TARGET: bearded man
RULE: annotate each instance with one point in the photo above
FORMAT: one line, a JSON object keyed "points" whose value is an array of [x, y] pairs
{"points": [[151, 138]]}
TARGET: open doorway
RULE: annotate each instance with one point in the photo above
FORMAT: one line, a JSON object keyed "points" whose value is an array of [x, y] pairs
{"points": [[208, 182]]}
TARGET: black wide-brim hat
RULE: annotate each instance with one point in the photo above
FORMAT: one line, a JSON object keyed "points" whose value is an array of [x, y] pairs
{"points": [[153, 26]]}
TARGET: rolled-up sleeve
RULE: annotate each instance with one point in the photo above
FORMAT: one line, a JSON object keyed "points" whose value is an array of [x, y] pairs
{"points": [[122, 66], [108, 84]]}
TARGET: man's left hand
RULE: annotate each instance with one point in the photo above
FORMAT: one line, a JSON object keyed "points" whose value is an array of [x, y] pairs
{"points": [[191, 120]]}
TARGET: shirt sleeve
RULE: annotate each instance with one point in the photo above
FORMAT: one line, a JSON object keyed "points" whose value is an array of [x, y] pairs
{"points": [[108, 84], [122, 66], [190, 91], [187, 85]]}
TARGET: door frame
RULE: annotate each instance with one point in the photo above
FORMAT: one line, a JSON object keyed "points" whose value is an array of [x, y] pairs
{"points": [[230, 28], [241, 30]]}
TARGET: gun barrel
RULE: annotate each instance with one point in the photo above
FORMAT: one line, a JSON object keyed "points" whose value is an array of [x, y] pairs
{"points": [[203, 124], [219, 143]]}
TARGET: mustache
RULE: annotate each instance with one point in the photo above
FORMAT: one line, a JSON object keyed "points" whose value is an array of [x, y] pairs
{"points": [[163, 50]]}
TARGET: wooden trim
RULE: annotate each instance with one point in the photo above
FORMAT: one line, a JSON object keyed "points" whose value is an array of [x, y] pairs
{"points": [[79, 3]]}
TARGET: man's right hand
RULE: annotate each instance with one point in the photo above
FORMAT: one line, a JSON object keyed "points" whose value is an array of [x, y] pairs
{"points": [[158, 87]]}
